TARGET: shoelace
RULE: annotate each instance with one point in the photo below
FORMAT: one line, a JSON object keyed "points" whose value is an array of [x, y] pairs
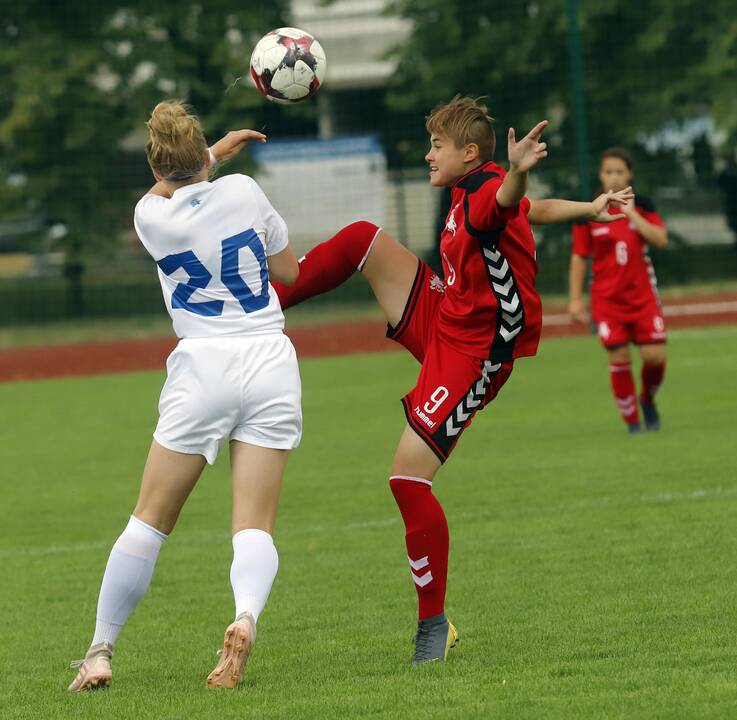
{"points": [[76, 664], [423, 643]]}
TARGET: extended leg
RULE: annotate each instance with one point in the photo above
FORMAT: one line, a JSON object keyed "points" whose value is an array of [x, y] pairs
{"points": [[386, 264]]}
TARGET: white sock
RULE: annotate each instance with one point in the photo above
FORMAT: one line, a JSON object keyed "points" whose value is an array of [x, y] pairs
{"points": [[127, 577], [255, 562]]}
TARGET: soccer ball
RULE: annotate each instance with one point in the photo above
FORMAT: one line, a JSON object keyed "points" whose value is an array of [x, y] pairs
{"points": [[288, 65]]}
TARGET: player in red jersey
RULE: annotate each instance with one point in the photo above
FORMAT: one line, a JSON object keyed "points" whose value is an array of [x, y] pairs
{"points": [[465, 331], [624, 299]]}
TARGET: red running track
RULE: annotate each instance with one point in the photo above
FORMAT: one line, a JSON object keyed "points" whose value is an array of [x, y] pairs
{"points": [[97, 358]]}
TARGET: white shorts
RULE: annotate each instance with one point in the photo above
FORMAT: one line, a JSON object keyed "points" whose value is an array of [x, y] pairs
{"points": [[230, 388]]}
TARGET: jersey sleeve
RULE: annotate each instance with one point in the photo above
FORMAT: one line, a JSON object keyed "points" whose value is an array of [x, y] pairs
{"points": [[277, 236], [144, 218], [484, 212], [581, 240]]}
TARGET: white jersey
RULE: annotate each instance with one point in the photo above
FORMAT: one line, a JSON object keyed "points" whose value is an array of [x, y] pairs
{"points": [[210, 241]]}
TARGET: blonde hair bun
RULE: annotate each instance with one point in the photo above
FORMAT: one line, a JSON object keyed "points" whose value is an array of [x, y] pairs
{"points": [[176, 145]]}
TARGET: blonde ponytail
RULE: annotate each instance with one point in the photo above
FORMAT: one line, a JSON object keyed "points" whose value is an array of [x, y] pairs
{"points": [[176, 147]]}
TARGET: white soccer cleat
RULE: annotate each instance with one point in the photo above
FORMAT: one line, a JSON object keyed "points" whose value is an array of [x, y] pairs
{"points": [[94, 671]]}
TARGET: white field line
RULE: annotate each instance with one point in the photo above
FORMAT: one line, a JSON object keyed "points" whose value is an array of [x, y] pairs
{"points": [[714, 308], [208, 537]]}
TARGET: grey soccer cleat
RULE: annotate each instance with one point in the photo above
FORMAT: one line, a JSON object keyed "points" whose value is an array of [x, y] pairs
{"points": [[435, 636]]}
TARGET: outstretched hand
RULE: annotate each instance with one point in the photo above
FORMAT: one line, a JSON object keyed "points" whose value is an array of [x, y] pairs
{"points": [[526, 153], [600, 206], [233, 142]]}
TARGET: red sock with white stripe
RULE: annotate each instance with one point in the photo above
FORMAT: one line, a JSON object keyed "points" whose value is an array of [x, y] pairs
{"points": [[330, 263], [623, 386], [426, 535], [652, 379]]}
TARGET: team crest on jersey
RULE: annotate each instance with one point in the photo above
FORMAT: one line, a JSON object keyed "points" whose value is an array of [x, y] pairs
{"points": [[451, 226], [195, 202], [437, 284]]}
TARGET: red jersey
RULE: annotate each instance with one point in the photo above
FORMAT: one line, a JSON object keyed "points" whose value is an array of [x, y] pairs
{"points": [[490, 308], [623, 274]]}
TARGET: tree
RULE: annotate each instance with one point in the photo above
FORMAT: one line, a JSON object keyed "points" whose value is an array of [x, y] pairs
{"points": [[77, 78], [646, 63]]}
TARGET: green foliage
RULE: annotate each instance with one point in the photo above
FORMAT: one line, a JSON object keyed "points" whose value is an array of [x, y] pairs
{"points": [[77, 78], [646, 63]]}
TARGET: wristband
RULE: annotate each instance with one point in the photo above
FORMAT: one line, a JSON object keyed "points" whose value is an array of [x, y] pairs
{"points": [[213, 159]]}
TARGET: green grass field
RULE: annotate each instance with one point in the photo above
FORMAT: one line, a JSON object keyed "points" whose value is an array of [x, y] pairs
{"points": [[592, 575]]}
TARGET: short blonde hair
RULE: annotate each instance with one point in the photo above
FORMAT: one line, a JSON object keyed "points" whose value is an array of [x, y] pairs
{"points": [[464, 120], [176, 147]]}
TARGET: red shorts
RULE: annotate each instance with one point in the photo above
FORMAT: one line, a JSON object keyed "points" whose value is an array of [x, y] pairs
{"points": [[617, 327], [452, 386]]}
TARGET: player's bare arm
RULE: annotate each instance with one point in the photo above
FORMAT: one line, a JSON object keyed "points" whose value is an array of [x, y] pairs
{"points": [[523, 156], [576, 275], [654, 234], [233, 142], [283, 267], [553, 210]]}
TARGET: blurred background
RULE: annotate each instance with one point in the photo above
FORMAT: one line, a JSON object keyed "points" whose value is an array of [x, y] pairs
{"points": [[78, 81]]}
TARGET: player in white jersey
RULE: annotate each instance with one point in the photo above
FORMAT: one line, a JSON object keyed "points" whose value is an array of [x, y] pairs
{"points": [[232, 377]]}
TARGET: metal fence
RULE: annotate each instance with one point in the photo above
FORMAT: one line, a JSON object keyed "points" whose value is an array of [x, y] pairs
{"points": [[391, 62]]}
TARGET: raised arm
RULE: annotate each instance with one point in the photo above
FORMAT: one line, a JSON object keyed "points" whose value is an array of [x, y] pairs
{"points": [[233, 142], [545, 212], [523, 156]]}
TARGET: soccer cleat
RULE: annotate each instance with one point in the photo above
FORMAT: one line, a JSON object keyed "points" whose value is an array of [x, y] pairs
{"points": [[634, 428], [237, 645], [651, 415], [435, 636], [94, 671]]}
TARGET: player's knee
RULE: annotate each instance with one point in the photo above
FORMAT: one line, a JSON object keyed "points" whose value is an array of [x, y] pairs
{"points": [[361, 229], [619, 354], [355, 241], [653, 355]]}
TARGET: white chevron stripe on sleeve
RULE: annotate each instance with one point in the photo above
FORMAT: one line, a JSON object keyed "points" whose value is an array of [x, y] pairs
{"points": [[511, 319], [504, 289], [507, 334], [499, 272], [510, 305]]}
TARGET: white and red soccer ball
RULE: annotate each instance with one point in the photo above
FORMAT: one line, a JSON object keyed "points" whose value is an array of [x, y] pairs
{"points": [[288, 65]]}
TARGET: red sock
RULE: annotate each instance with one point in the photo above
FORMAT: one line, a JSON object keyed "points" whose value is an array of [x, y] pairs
{"points": [[329, 264], [426, 535], [652, 379], [623, 386]]}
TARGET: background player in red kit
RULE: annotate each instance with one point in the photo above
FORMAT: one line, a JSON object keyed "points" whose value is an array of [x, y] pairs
{"points": [[466, 332], [624, 300]]}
